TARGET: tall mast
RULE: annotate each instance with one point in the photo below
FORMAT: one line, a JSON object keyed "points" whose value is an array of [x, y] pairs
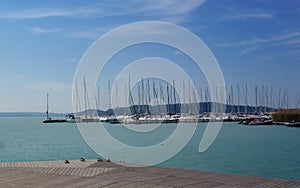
{"points": [[279, 97], [131, 102], [143, 97], [207, 99], [109, 97], [168, 100], [117, 101], [155, 96], [86, 98], [256, 99], [149, 98], [77, 98], [183, 102], [200, 100], [267, 99], [47, 111], [246, 100], [189, 95], [174, 93], [139, 97], [161, 93], [232, 98], [85, 105], [271, 98], [98, 99], [239, 104], [125, 101], [286, 98]]}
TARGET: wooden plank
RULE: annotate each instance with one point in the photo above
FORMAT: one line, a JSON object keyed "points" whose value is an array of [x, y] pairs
{"points": [[73, 164], [96, 174]]}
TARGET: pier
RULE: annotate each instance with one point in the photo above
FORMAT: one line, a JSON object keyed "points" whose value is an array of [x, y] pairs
{"points": [[108, 174]]}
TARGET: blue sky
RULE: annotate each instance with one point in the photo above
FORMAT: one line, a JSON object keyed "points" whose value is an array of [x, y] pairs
{"points": [[256, 42]]}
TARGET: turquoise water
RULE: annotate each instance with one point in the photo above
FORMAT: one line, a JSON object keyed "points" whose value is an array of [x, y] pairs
{"points": [[268, 151]]}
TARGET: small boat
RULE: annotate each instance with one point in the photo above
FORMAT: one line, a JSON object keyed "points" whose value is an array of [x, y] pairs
{"points": [[292, 124], [114, 120], [70, 118], [48, 118], [261, 122], [257, 121]]}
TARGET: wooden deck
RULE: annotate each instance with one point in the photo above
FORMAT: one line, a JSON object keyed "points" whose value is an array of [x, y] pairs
{"points": [[92, 174]]}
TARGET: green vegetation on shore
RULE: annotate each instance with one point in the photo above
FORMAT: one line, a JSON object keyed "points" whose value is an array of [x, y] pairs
{"points": [[287, 115]]}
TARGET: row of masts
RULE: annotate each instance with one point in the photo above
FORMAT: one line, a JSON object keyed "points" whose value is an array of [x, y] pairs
{"points": [[150, 96]]}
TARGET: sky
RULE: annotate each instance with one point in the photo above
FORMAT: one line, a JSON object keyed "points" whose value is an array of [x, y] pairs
{"points": [[256, 42]]}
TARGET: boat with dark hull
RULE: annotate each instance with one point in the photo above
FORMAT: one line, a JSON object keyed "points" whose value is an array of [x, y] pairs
{"points": [[54, 120], [292, 124], [48, 119], [257, 121], [261, 122]]}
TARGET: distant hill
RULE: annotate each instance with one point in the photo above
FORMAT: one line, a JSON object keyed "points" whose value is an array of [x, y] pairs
{"points": [[173, 109], [21, 114]]}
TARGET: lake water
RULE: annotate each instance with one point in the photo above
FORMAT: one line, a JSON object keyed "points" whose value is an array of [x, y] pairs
{"points": [[267, 151]]}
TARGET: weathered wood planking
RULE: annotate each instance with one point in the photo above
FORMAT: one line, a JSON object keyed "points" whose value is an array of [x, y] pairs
{"points": [[92, 174]]}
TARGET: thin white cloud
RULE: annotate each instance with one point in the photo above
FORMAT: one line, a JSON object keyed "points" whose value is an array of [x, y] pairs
{"points": [[274, 39], [173, 11], [46, 12], [164, 9], [133, 31], [294, 42], [249, 50], [38, 13], [257, 15], [167, 7], [283, 54], [39, 30]]}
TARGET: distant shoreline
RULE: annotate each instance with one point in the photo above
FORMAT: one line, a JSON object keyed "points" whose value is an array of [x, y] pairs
{"points": [[21, 114]]}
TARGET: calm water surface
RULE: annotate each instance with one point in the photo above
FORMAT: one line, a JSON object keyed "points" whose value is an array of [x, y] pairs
{"points": [[268, 151]]}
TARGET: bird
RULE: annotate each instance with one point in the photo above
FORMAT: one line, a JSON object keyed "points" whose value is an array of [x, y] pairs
{"points": [[99, 159], [82, 159], [67, 162]]}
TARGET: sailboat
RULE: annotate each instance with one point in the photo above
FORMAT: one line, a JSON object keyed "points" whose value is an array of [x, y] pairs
{"points": [[48, 118]]}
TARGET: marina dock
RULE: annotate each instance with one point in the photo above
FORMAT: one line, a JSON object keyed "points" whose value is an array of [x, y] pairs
{"points": [[91, 173]]}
